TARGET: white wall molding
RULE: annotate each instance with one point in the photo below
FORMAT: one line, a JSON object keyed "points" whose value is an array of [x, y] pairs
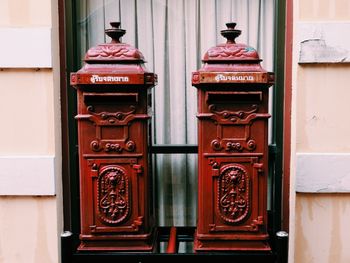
{"points": [[323, 42], [323, 172], [27, 175], [25, 47]]}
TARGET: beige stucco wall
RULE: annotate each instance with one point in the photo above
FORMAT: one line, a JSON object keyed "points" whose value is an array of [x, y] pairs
{"points": [[322, 10], [27, 94], [322, 108], [26, 13], [28, 228], [319, 222], [322, 228], [30, 225]]}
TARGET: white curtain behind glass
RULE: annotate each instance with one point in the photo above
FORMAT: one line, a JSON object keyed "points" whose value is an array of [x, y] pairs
{"points": [[173, 35]]}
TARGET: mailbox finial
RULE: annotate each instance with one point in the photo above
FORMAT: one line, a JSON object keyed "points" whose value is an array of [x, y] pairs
{"points": [[115, 32], [230, 33]]}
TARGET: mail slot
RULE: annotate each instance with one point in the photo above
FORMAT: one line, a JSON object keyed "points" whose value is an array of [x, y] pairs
{"points": [[116, 195], [233, 148], [113, 98], [235, 96]]}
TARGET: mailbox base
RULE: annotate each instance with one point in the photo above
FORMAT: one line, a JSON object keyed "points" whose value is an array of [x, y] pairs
{"points": [[127, 243], [225, 243]]}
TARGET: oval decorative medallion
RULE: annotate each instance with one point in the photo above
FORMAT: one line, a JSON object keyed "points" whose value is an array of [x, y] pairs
{"points": [[233, 201], [113, 195]]}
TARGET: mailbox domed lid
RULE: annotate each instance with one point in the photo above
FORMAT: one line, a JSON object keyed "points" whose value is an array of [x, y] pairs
{"points": [[231, 51], [232, 62], [114, 52], [114, 63]]}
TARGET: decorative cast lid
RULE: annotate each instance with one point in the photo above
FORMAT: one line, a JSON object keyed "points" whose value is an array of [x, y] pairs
{"points": [[231, 62], [114, 52], [231, 51], [114, 63]]}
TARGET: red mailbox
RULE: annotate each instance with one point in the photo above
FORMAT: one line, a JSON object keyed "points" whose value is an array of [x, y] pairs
{"points": [[233, 148], [113, 89]]}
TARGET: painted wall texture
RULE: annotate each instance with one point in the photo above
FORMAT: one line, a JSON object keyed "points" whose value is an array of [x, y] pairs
{"points": [[29, 228], [30, 153], [322, 228], [320, 200]]}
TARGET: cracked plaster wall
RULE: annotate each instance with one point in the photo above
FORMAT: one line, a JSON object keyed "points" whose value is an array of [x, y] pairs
{"points": [[324, 42]]}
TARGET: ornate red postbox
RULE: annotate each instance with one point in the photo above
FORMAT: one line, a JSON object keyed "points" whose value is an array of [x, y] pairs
{"points": [[113, 89], [233, 147]]}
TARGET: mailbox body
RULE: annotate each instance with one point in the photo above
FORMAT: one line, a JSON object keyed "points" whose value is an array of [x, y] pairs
{"points": [[113, 91], [232, 150]]}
